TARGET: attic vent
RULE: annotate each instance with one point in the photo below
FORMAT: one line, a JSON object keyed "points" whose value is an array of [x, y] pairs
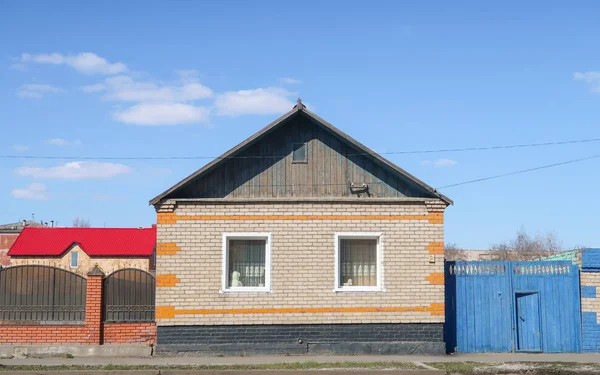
{"points": [[299, 154]]}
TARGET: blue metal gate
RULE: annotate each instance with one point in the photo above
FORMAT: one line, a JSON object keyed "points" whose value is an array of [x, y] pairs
{"points": [[527, 316], [513, 306]]}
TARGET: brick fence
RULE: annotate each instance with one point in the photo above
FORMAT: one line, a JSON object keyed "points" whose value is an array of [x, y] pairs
{"points": [[590, 303], [93, 332]]}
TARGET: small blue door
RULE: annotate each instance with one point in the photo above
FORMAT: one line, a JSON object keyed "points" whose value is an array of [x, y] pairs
{"points": [[528, 335]]}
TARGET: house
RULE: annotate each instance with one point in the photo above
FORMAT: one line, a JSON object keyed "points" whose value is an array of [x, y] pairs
{"points": [[79, 249], [300, 239], [8, 236]]}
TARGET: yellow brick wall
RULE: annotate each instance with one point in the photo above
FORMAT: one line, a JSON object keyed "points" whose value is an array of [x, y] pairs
{"points": [[107, 265], [591, 304], [189, 263]]}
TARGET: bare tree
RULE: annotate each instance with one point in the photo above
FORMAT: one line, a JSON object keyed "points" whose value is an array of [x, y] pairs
{"points": [[525, 247], [80, 222], [452, 252]]}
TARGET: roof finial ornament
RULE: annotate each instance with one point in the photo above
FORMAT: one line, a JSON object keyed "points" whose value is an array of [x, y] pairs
{"points": [[299, 104]]}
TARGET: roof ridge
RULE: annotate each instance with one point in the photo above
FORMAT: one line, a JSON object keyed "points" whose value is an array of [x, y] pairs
{"points": [[95, 242], [92, 228]]}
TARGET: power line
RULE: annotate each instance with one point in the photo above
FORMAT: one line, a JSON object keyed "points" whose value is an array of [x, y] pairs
{"points": [[520, 171], [465, 149], [495, 147]]}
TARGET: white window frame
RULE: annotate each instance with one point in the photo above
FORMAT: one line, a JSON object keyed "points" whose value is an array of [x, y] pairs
{"points": [[225, 265], [71, 260], [359, 236]]}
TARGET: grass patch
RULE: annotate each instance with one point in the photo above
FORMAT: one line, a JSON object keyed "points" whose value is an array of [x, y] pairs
{"points": [[309, 365], [459, 367], [528, 368]]}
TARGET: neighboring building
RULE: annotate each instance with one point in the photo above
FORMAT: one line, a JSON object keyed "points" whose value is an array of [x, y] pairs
{"points": [[8, 236], [494, 255], [300, 239], [80, 249], [469, 255], [572, 255]]}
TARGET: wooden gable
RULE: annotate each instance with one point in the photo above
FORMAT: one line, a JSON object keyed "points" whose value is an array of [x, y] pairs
{"points": [[335, 166]]}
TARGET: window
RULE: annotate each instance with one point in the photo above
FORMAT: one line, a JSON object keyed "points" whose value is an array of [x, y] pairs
{"points": [[358, 259], [246, 262], [74, 259], [299, 154]]}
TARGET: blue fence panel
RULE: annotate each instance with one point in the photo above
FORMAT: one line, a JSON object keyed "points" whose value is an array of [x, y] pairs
{"points": [[480, 322], [560, 302], [481, 301]]}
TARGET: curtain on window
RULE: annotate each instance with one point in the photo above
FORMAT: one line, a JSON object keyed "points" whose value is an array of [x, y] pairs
{"points": [[248, 258], [358, 262]]}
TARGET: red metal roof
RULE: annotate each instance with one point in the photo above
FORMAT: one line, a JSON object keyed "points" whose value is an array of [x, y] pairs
{"points": [[96, 242]]}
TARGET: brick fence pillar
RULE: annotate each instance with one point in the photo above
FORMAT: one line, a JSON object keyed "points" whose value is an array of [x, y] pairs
{"points": [[93, 306]]}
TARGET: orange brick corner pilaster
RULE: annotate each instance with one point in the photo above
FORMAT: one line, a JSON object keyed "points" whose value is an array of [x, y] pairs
{"points": [[166, 280], [93, 305], [436, 278], [435, 248], [167, 248], [436, 218], [436, 309], [166, 218], [165, 312]]}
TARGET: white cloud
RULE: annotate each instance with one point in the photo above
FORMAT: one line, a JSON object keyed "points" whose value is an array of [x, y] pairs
{"points": [[157, 104], [591, 78], [63, 142], [36, 91], [35, 191], [78, 170], [85, 62], [270, 100], [154, 114], [125, 89], [93, 88], [440, 162], [290, 81], [20, 148], [193, 91]]}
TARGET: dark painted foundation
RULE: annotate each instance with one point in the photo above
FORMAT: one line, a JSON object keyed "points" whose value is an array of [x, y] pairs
{"points": [[303, 339]]}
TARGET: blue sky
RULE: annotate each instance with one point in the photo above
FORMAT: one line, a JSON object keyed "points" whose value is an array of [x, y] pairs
{"points": [[189, 78]]}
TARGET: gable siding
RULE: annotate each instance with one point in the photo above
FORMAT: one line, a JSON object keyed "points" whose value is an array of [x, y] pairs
{"points": [[332, 163]]}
